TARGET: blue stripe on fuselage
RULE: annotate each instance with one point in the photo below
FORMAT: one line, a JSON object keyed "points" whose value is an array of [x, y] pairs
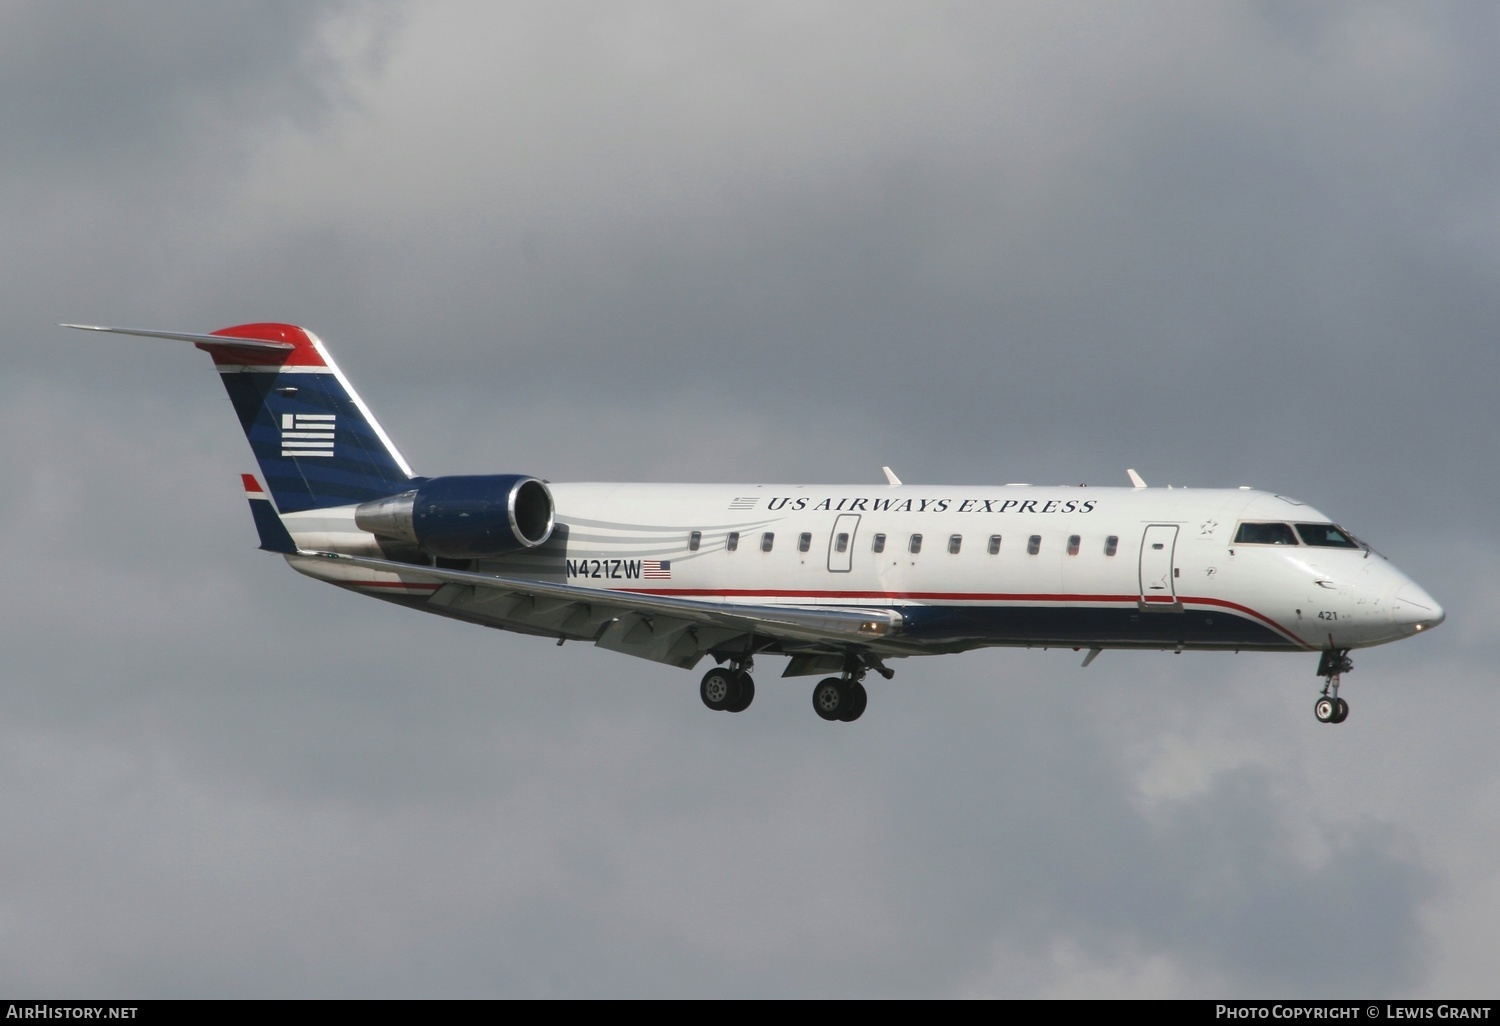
{"points": [[1084, 625]]}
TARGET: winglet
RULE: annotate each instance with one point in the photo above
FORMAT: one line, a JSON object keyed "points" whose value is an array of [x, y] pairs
{"points": [[1135, 479], [273, 533], [890, 477]]}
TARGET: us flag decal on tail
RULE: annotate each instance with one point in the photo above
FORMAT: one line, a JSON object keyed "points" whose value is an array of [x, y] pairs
{"points": [[656, 569], [307, 434]]}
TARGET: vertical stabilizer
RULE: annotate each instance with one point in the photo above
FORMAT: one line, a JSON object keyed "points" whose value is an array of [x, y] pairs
{"points": [[316, 442]]}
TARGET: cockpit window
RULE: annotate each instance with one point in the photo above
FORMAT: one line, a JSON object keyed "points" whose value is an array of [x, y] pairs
{"points": [[1325, 535], [1265, 534]]}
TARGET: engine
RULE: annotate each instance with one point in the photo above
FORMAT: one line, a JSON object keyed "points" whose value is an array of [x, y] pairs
{"points": [[464, 517]]}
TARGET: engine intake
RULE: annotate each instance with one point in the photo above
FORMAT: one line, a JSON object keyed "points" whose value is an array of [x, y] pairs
{"points": [[464, 517]]}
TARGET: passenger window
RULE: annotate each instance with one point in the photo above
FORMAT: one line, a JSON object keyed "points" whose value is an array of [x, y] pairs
{"points": [[994, 545], [955, 542], [1073, 541], [1034, 544], [804, 541], [732, 542], [916, 544], [841, 543], [694, 540], [766, 541], [1111, 544], [878, 545], [1325, 536], [1265, 534]]}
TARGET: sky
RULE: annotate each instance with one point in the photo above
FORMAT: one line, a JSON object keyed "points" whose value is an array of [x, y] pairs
{"points": [[1221, 243]]}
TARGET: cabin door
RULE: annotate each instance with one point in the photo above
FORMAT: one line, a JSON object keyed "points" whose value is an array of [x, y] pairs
{"points": [[841, 543], [1158, 572]]}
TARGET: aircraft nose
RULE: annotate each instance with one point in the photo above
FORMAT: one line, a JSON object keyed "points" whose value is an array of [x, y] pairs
{"points": [[1412, 607]]}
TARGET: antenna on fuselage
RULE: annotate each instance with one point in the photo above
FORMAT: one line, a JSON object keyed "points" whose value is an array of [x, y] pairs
{"points": [[1135, 479], [890, 477]]}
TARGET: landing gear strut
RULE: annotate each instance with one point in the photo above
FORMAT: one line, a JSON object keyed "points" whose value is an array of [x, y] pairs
{"points": [[844, 698], [1330, 708], [728, 688]]}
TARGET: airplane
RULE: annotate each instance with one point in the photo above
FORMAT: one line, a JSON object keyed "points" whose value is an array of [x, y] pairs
{"points": [[840, 579]]}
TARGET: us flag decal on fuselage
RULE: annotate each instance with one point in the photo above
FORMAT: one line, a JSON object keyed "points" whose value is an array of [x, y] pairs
{"points": [[656, 569], [743, 502], [307, 434]]}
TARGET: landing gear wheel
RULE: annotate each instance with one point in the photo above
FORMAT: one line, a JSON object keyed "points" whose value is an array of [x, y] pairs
{"points": [[858, 699], [720, 688], [1342, 713], [747, 693], [1330, 708], [831, 698]]}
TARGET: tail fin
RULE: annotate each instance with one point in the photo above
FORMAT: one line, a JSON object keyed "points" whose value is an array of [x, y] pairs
{"points": [[316, 442]]}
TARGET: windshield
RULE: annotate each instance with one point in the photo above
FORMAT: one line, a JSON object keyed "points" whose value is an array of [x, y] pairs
{"points": [[1264, 534], [1327, 536]]}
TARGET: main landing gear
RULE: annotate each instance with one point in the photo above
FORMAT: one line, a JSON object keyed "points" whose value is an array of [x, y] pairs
{"points": [[728, 688], [843, 699], [836, 698], [1330, 708]]}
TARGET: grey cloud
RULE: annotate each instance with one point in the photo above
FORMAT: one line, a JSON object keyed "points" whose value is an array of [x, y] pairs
{"points": [[114, 89], [1050, 840]]}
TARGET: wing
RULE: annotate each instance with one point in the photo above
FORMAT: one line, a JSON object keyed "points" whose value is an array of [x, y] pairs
{"points": [[679, 631]]}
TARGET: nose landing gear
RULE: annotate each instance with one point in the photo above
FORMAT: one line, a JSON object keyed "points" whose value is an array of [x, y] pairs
{"points": [[1330, 708]]}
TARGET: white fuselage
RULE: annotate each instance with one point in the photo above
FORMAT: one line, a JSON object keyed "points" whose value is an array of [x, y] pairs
{"points": [[1008, 565]]}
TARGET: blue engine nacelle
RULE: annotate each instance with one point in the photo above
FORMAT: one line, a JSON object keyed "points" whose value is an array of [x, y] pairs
{"points": [[464, 517]]}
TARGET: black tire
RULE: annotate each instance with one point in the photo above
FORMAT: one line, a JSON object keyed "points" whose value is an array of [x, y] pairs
{"points": [[830, 698], [1325, 709], [1342, 714], [720, 688], [747, 693], [858, 699]]}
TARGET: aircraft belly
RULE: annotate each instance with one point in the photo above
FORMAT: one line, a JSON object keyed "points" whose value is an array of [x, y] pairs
{"points": [[1117, 625]]}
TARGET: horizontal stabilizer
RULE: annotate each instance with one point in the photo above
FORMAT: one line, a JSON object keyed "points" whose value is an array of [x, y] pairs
{"points": [[183, 336]]}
